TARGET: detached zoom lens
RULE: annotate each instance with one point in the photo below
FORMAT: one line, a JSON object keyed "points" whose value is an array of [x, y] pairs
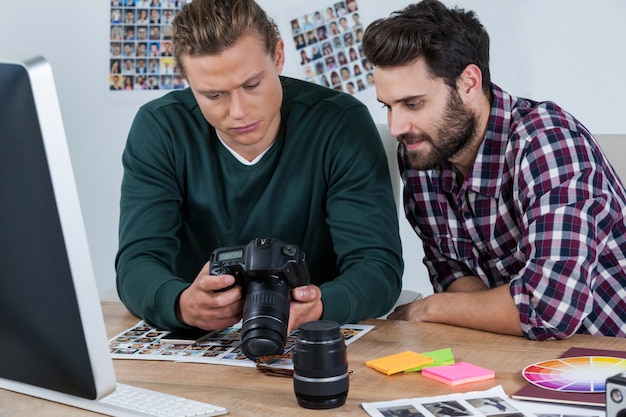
{"points": [[266, 316], [320, 365]]}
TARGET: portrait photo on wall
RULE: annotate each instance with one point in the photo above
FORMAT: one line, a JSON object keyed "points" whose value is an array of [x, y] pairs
{"points": [[141, 56], [328, 41]]}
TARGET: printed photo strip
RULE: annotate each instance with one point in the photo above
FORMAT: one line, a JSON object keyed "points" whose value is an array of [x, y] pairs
{"points": [[221, 347]]}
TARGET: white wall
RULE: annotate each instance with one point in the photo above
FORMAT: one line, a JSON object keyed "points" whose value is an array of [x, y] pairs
{"points": [[560, 50]]}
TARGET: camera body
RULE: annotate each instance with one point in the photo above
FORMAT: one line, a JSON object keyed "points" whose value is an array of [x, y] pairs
{"points": [[616, 395], [260, 258], [267, 270]]}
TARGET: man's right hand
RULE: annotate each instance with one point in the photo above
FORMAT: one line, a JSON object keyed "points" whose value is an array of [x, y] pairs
{"points": [[202, 305]]}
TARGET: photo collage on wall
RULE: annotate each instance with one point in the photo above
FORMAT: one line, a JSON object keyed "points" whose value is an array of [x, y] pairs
{"points": [[141, 55], [330, 49]]}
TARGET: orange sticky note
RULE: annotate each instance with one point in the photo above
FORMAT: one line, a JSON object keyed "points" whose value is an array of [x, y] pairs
{"points": [[459, 373], [399, 362]]}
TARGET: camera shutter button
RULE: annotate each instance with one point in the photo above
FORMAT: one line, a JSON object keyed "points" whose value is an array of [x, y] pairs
{"points": [[289, 250]]}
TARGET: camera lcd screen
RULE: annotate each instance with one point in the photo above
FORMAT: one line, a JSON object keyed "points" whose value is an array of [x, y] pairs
{"points": [[228, 255]]}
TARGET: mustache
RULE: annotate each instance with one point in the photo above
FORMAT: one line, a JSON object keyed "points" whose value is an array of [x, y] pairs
{"points": [[413, 138]]}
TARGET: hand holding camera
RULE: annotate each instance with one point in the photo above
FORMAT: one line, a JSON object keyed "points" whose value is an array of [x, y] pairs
{"points": [[267, 270]]}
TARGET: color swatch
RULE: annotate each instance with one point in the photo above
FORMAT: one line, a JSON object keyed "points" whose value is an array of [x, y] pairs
{"points": [[584, 374]]}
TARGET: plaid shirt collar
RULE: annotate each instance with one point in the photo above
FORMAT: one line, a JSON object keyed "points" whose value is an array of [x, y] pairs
{"points": [[485, 177]]}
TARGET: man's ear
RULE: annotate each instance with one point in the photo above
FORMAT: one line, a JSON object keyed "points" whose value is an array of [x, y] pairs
{"points": [[279, 56], [470, 83]]}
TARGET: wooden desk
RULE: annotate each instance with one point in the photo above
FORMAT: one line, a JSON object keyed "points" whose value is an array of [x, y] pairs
{"points": [[247, 392]]}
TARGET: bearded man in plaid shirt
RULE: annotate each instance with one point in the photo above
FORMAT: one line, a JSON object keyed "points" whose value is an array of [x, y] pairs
{"points": [[521, 215]]}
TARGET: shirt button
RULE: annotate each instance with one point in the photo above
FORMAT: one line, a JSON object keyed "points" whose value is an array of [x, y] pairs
{"points": [[467, 215]]}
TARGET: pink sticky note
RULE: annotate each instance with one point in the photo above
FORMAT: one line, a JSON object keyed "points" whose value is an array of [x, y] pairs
{"points": [[459, 373]]}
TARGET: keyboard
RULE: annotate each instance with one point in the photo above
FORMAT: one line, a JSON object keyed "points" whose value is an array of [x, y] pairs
{"points": [[128, 400]]}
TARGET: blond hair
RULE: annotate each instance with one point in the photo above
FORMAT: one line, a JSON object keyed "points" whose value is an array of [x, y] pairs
{"points": [[208, 27]]}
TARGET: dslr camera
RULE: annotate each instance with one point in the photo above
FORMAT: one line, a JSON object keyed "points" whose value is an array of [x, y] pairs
{"points": [[267, 270], [616, 395]]}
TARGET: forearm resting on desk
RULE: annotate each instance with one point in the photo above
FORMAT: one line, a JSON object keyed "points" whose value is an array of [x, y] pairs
{"points": [[467, 305]]}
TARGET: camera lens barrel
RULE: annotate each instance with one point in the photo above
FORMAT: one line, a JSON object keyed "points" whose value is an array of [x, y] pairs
{"points": [[320, 366], [266, 316]]}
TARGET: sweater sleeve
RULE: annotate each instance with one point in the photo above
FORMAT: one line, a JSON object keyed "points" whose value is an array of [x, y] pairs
{"points": [[149, 220], [363, 221]]}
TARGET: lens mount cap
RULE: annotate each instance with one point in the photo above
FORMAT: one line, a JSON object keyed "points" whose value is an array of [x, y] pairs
{"points": [[319, 331]]}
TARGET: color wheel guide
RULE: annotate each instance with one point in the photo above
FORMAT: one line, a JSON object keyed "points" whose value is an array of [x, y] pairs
{"points": [[579, 374], [577, 377]]}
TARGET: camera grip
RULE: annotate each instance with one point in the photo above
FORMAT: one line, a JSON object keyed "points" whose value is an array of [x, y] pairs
{"points": [[218, 270]]}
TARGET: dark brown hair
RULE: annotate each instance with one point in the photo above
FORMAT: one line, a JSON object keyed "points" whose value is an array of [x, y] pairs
{"points": [[448, 40]]}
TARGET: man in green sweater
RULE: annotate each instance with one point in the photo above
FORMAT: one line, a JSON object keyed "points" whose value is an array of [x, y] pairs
{"points": [[246, 153]]}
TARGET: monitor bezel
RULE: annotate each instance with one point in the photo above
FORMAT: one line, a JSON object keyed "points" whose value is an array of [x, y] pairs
{"points": [[71, 220]]}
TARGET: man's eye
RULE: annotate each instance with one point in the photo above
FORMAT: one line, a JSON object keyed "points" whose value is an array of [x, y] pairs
{"points": [[414, 105], [251, 86]]}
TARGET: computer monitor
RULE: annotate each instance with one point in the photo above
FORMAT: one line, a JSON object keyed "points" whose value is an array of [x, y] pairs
{"points": [[53, 339]]}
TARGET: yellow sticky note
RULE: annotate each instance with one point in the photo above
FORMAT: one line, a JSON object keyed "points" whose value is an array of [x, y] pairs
{"points": [[399, 362]]}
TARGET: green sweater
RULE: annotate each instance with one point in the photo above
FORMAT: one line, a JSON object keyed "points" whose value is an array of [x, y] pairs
{"points": [[324, 185]]}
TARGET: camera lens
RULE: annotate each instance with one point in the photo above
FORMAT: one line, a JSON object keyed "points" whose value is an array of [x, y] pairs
{"points": [[320, 365], [265, 317], [616, 396]]}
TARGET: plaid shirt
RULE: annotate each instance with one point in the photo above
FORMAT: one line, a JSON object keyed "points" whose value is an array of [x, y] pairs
{"points": [[541, 210]]}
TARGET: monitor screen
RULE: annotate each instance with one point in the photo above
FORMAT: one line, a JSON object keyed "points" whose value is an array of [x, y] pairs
{"points": [[50, 318]]}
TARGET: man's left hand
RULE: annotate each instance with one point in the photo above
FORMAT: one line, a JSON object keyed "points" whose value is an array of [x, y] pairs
{"points": [[306, 305]]}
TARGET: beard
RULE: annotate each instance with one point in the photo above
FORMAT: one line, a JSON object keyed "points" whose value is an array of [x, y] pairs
{"points": [[456, 130]]}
